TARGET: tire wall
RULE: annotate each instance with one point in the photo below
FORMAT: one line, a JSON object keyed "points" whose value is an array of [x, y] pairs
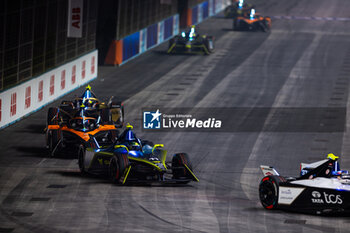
{"points": [[30, 96]]}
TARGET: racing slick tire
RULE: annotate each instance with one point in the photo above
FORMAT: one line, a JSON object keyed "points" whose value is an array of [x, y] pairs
{"points": [[265, 26], [51, 119], [81, 159], [52, 141], [105, 116], [117, 167], [178, 166], [209, 44], [171, 42], [120, 121], [235, 25], [268, 191]]}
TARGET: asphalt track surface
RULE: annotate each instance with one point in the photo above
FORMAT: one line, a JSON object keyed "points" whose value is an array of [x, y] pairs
{"points": [[300, 63]]}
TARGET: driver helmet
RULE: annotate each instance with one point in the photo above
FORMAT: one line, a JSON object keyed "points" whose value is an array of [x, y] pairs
{"points": [[129, 139], [252, 13], [192, 32]]}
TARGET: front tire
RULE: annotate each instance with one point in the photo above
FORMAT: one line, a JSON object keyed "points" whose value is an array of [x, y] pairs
{"points": [[52, 116], [117, 167], [268, 192], [178, 164], [81, 159]]}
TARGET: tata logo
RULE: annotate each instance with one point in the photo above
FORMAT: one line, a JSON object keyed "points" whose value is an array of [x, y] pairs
{"points": [[326, 198], [151, 120], [316, 194]]}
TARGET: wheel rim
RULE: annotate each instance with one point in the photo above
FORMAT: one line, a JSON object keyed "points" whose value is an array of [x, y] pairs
{"points": [[267, 194]]}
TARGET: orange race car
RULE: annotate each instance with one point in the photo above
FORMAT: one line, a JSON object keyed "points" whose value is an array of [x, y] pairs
{"points": [[252, 22], [70, 125]]}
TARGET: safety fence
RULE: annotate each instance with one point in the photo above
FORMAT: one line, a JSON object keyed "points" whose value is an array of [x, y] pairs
{"points": [[30, 96], [129, 47]]}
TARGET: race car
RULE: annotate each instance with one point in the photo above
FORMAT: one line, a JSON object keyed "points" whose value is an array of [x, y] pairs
{"points": [[93, 107], [74, 122], [322, 188], [131, 160], [191, 42], [252, 22], [238, 8]]}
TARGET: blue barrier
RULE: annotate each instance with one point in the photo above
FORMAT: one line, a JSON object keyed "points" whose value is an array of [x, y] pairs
{"points": [[152, 35], [131, 45], [195, 15], [168, 28], [205, 8]]}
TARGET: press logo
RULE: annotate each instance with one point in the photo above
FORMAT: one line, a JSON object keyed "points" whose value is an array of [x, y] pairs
{"points": [[152, 120]]}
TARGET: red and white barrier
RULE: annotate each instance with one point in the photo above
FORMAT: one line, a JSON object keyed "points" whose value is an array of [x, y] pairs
{"points": [[30, 96]]}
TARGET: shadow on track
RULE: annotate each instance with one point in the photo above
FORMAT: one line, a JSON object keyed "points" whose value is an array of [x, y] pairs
{"points": [[34, 128], [42, 152]]}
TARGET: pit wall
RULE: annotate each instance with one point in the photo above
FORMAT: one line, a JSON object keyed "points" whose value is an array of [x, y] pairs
{"points": [[30, 96], [129, 47]]}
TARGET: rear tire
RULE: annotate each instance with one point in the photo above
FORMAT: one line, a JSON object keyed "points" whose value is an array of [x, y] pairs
{"points": [[268, 192], [178, 164], [235, 25], [171, 42], [120, 121], [81, 159], [117, 167], [52, 116], [105, 116], [52, 141], [209, 44]]}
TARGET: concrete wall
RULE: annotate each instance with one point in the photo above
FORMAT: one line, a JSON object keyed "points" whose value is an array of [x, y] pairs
{"points": [[30, 96]]}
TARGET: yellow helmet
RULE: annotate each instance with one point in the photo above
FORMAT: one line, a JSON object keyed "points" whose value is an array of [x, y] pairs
{"points": [[128, 126]]}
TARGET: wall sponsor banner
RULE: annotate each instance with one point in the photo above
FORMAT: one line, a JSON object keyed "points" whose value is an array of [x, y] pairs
{"points": [[19, 101], [75, 18]]}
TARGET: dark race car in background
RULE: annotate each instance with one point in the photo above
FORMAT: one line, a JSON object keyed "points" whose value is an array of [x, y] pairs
{"points": [[321, 188], [190, 42], [131, 160], [238, 8], [252, 22], [73, 122]]}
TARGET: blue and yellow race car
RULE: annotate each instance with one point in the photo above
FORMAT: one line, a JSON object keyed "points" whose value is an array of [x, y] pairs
{"points": [[131, 160], [191, 42]]}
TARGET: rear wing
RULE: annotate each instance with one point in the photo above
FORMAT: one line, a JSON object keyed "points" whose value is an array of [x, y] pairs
{"points": [[268, 170]]}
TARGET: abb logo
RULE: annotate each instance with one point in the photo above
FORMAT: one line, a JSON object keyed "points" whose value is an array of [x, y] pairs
{"points": [[13, 104], [52, 85], [76, 12], [40, 91], [63, 79], [93, 65], [74, 70], [83, 66], [27, 97]]}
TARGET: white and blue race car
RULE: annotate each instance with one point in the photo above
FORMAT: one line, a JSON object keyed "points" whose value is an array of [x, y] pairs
{"points": [[321, 188]]}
